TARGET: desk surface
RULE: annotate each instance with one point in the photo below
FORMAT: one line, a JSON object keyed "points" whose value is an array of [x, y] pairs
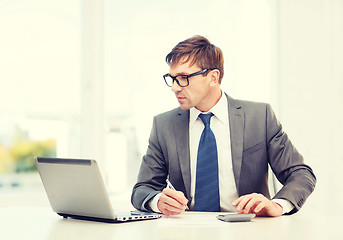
{"points": [[37, 223]]}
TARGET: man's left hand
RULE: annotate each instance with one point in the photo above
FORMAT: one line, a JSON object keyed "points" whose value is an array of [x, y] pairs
{"points": [[258, 204]]}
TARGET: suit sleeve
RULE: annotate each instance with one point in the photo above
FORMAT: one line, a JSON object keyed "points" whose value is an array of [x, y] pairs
{"points": [[152, 173], [287, 164]]}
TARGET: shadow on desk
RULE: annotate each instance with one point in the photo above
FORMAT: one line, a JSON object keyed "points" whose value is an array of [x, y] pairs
{"points": [[78, 229]]}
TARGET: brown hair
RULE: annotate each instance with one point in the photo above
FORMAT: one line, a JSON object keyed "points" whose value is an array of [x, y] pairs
{"points": [[200, 51]]}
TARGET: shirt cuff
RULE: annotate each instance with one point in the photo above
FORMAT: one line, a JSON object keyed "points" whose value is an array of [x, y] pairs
{"points": [[153, 203], [286, 205]]}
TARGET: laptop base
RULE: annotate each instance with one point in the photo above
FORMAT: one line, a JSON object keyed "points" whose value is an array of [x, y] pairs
{"points": [[106, 220]]}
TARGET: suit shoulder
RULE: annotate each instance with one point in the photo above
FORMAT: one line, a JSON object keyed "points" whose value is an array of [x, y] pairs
{"points": [[169, 114], [251, 105], [253, 108]]}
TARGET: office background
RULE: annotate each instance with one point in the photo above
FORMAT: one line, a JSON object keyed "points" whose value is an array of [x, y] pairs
{"points": [[84, 79]]}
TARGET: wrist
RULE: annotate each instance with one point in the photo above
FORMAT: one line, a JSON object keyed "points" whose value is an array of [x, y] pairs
{"points": [[279, 209], [153, 204], [286, 205]]}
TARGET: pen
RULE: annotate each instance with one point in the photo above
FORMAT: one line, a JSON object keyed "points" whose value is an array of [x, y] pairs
{"points": [[169, 185]]}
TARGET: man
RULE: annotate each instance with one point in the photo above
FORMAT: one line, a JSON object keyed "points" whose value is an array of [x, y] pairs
{"points": [[215, 150]]}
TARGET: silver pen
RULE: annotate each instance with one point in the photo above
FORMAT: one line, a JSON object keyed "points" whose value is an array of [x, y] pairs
{"points": [[169, 185]]}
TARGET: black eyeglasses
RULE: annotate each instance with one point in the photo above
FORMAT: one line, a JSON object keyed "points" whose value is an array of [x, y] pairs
{"points": [[181, 80]]}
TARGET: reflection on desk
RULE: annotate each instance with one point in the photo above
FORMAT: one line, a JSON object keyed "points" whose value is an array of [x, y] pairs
{"points": [[41, 223]]}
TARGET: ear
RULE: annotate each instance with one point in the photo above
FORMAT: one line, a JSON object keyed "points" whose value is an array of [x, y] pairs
{"points": [[214, 74]]}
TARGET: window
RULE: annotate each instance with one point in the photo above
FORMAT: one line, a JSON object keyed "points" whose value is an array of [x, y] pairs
{"points": [[40, 86]]}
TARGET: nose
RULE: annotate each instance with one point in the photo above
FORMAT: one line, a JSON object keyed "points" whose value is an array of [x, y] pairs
{"points": [[176, 87]]}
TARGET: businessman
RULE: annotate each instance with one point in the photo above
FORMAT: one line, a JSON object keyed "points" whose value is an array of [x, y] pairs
{"points": [[215, 150]]}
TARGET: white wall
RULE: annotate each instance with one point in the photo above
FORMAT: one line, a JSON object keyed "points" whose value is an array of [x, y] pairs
{"points": [[139, 34], [311, 90]]}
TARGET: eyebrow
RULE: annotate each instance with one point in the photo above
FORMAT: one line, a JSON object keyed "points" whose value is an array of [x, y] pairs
{"points": [[181, 74]]}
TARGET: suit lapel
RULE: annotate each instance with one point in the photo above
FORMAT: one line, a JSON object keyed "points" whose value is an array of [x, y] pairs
{"points": [[236, 122], [181, 128]]}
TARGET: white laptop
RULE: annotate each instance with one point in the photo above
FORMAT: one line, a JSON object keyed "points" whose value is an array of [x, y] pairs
{"points": [[76, 189]]}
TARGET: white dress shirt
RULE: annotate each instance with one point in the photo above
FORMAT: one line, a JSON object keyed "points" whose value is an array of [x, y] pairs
{"points": [[220, 126]]}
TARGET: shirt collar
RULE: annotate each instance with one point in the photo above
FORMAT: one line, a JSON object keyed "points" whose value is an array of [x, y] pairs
{"points": [[220, 110]]}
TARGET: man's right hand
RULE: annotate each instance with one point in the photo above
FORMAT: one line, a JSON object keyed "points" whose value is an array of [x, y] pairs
{"points": [[172, 202]]}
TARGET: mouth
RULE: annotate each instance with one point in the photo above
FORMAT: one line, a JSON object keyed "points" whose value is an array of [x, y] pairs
{"points": [[179, 98]]}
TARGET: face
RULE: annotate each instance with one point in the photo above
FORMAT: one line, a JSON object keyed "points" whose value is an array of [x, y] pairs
{"points": [[201, 91]]}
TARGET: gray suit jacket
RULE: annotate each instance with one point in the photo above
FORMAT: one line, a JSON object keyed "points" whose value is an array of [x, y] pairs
{"points": [[257, 139]]}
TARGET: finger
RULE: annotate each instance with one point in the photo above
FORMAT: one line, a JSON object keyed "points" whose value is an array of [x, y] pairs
{"points": [[260, 207], [165, 208], [174, 198], [171, 203], [234, 203], [169, 210], [254, 201], [177, 195], [243, 201], [250, 206], [240, 212], [268, 208]]}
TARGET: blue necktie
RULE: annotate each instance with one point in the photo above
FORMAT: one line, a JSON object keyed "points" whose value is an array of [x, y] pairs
{"points": [[207, 183]]}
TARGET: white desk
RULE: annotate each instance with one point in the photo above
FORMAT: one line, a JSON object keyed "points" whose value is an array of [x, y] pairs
{"points": [[38, 223]]}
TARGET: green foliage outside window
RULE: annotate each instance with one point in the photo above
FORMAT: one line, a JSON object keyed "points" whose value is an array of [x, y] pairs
{"points": [[24, 153], [20, 156]]}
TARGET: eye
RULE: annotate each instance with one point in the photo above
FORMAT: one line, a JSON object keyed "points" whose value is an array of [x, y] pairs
{"points": [[181, 78]]}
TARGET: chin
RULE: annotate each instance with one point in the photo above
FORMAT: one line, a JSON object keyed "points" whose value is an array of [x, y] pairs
{"points": [[184, 107]]}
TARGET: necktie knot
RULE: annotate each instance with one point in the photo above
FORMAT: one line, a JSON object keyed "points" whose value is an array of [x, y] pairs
{"points": [[206, 118]]}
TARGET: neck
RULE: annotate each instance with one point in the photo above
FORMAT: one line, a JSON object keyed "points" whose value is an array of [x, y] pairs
{"points": [[211, 101]]}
